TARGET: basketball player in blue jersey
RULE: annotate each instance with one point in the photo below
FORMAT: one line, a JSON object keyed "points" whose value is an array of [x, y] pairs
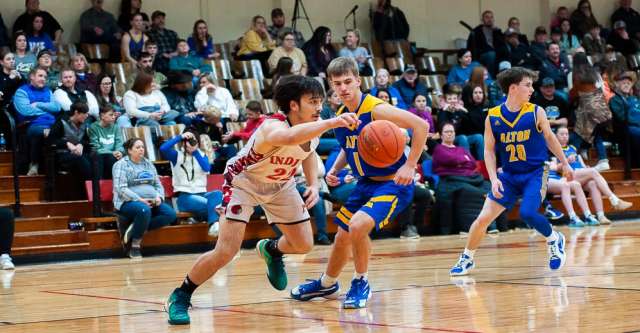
{"points": [[381, 193], [518, 132]]}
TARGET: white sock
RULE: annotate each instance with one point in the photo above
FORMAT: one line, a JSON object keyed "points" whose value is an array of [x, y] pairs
{"points": [[614, 200], [469, 253], [573, 215], [327, 281], [359, 276], [600, 215], [553, 237], [587, 213]]}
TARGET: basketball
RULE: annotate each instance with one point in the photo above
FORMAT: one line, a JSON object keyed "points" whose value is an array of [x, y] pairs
{"points": [[381, 143]]}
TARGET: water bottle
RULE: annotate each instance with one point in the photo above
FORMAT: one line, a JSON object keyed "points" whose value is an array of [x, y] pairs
{"points": [[3, 142]]}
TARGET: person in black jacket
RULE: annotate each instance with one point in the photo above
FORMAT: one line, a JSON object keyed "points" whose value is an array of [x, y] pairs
{"points": [[319, 52], [629, 16], [620, 40], [486, 43], [69, 135], [389, 22]]}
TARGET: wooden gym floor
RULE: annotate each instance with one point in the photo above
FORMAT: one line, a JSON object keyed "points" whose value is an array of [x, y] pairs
{"points": [[511, 290]]}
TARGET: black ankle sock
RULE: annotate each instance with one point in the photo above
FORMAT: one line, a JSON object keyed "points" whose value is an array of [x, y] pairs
{"points": [[272, 248], [188, 286]]}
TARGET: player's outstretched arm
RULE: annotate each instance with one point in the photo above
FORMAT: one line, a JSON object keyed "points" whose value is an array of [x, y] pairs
{"points": [[552, 142], [310, 170], [277, 134], [420, 128]]}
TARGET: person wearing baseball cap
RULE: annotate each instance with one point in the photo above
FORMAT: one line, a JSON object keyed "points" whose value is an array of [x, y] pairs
{"points": [[620, 40], [626, 103], [409, 86], [557, 109], [44, 60]]}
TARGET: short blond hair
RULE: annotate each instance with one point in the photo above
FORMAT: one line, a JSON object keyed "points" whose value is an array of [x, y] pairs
{"points": [[211, 111], [342, 66]]}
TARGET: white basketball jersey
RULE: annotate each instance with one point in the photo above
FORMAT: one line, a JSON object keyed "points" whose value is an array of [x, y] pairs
{"points": [[277, 166]]}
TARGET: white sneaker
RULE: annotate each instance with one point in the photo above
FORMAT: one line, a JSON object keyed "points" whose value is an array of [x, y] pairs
{"points": [[602, 165], [33, 169], [6, 263], [214, 229]]}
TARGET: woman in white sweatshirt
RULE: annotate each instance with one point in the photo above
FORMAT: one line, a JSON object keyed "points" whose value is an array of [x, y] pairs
{"points": [[148, 106]]}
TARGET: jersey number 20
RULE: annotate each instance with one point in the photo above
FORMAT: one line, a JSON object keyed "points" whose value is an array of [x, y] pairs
{"points": [[516, 153]]}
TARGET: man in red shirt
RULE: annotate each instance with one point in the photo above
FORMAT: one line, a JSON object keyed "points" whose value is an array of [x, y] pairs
{"points": [[254, 119]]}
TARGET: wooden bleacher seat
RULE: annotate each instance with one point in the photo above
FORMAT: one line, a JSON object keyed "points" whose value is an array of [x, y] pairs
{"points": [[225, 53], [68, 49], [368, 82], [166, 132], [395, 65], [245, 89], [398, 49], [95, 68], [378, 63], [434, 81], [121, 71], [220, 69], [144, 133], [425, 65], [269, 106], [95, 52], [248, 69]]}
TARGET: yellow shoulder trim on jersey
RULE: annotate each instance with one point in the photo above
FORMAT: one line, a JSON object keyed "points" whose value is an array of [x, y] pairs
{"points": [[340, 110], [495, 111], [526, 108], [368, 104]]}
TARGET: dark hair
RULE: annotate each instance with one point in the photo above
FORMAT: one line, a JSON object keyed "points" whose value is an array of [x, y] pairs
{"points": [[129, 143], [80, 107], [582, 2], [318, 39], [4, 53], [15, 38], [445, 123], [30, 27], [511, 19], [125, 7], [552, 43], [134, 16], [569, 33], [35, 70], [292, 88], [413, 101], [180, 40], [254, 106], [194, 131], [144, 54], [384, 91], [150, 41], [276, 12], [514, 75], [467, 95], [583, 72], [105, 108], [460, 54], [452, 89], [284, 66], [112, 94], [142, 81], [194, 35]]}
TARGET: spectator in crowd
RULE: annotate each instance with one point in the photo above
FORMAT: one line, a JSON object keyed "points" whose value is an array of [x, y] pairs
{"points": [[389, 22], [514, 23], [98, 26], [582, 18], [626, 106], [593, 44], [456, 168], [165, 39], [288, 49], [353, 50], [319, 52], [184, 61], [37, 38], [200, 42], [106, 98], [409, 85], [85, 79], [382, 82], [495, 95], [257, 43], [25, 59], [10, 79], [5, 42], [538, 47], [132, 44], [210, 94], [460, 72], [475, 101], [44, 60], [453, 111], [319, 210], [106, 141], [569, 41], [592, 112], [70, 93], [517, 53], [255, 117], [145, 64], [138, 196], [556, 108], [148, 106], [556, 68], [190, 167], [7, 228], [283, 68], [34, 103], [277, 28], [69, 136], [128, 9], [557, 184], [180, 96], [384, 95], [422, 110], [486, 42], [328, 142], [629, 16], [561, 13], [211, 126], [151, 47], [620, 40], [50, 25]]}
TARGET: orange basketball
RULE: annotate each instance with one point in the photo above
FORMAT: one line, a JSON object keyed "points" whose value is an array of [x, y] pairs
{"points": [[381, 143]]}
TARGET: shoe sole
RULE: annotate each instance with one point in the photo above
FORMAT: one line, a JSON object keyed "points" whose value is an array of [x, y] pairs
{"points": [[466, 272], [166, 309], [261, 255], [564, 255]]}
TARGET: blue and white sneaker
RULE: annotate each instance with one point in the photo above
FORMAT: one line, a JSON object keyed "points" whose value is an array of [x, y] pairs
{"points": [[556, 252], [552, 213], [312, 289], [358, 294], [576, 222], [591, 220], [463, 266]]}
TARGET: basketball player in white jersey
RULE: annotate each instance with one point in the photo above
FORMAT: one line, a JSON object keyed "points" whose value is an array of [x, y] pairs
{"points": [[262, 174]]}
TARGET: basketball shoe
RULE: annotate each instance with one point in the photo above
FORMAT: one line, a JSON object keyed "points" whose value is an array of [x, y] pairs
{"points": [[591, 220], [313, 288], [275, 267], [575, 222], [463, 266], [177, 306], [556, 252], [552, 213], [358, 294]]}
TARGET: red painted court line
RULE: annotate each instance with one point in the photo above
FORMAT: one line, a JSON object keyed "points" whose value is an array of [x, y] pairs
{"points": [[224, 309]]}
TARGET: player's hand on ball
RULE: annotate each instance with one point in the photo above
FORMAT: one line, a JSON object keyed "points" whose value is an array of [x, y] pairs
{"points": [[567, 171], [346, 120], [404, 175], [497, 189], [311, 196], [332, 179]]}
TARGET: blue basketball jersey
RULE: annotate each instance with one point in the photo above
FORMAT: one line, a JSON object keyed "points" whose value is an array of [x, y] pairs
{"points": [[520, 145], [348, 140], [572, 151]]}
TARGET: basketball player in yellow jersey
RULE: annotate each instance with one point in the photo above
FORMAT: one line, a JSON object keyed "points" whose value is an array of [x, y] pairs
{"points": [[379, 195]]}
